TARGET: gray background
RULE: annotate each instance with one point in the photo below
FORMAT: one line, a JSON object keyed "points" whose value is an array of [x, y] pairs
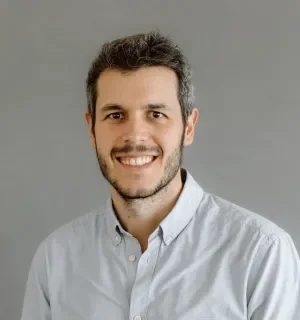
{"points": [[245, 57]]}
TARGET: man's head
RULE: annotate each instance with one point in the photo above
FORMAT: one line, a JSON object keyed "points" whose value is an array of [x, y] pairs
{"points": [[140, 103]]}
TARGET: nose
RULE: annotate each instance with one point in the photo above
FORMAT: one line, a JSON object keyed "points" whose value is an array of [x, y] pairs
{"points": [[135, 131]]}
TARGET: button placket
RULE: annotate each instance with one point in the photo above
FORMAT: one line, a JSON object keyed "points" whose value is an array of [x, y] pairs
{"points": [[144, 274], [132, 256]]}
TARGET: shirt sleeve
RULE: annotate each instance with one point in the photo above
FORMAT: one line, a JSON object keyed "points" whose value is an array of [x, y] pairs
{"points": [[276, 293], [36, 305]]}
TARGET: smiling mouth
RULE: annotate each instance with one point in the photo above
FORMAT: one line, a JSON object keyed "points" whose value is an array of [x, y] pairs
{"points": [[136, 162]]}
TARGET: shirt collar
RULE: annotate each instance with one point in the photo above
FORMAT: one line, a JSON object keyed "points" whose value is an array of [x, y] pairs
{"points": [[178, 218]]}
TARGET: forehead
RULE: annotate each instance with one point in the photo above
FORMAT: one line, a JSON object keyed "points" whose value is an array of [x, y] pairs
{"points": [[146, 85]]}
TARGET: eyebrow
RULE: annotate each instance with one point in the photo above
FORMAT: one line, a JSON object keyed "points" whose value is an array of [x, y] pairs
{"points": [[109, 107]]}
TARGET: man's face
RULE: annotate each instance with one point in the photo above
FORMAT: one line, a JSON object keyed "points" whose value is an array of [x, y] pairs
{"points": [[139, 133]]}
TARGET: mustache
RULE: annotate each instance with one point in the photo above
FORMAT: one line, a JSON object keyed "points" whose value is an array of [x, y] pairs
{"points": [[137, 148]]}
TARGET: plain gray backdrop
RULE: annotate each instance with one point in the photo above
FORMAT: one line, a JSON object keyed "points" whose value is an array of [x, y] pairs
{"points": [[246, 69]]}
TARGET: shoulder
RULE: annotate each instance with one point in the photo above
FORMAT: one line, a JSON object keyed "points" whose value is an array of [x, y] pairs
{"points": [[75, 235], [81, 225], [248, 235], [236, 218]]}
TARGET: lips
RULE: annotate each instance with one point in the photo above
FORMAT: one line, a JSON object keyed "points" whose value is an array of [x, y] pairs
{"points": [[136, 162]]}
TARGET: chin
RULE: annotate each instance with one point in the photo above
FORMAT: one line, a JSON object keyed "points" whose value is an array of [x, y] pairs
{"points": [[135, 192]]}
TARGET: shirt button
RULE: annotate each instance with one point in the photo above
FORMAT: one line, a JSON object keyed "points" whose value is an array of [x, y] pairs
{"points": [[137, 318], [132, 259], [168, 239], [117, 239]]}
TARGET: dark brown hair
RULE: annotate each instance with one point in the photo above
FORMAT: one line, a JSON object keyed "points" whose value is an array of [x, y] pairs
{"points": [[137, 51]]}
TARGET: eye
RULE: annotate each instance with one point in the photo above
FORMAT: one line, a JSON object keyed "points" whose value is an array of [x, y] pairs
{"points": [[114, 116], [156, 114]]}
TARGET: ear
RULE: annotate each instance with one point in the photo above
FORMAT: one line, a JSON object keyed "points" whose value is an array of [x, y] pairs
{"points": [[190, 127], [88, 121]]}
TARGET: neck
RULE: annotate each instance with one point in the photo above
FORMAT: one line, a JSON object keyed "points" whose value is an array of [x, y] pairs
{"points": [[140, 217]]}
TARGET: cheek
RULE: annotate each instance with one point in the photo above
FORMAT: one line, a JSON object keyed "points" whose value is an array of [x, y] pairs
{"points": [[170, 143], [103, 145], [104, 137]]}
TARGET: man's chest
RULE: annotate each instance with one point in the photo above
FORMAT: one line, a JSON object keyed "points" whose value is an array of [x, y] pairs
{"points": [[151, 286]]}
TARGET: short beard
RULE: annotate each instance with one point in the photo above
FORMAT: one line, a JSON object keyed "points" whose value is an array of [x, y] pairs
{"points": [[173, 165]]}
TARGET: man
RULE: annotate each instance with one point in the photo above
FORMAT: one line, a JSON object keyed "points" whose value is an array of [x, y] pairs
{"points": [[161, 247]]}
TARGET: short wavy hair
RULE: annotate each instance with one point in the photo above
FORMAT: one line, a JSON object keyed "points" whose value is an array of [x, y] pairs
{"points": [[142, 50]]}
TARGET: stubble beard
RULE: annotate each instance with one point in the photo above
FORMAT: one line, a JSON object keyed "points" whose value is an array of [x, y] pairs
{"points": [[171, 168]]}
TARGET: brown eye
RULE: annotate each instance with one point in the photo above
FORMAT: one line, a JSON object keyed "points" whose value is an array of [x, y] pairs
{"points": [[114, 116], [156, 114]]}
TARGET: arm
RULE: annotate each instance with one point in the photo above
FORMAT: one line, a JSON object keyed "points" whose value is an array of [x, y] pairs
{"points": [[276, 284], [36, 305]]}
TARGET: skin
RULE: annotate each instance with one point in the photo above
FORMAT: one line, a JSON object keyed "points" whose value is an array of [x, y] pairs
{"points": [[138, 113]]}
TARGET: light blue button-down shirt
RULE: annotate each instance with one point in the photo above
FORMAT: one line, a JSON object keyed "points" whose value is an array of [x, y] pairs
{"points": [[208, 259]]}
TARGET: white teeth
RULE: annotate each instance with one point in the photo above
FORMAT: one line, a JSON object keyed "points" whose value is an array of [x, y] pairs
{"points": [[136, 161]]}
